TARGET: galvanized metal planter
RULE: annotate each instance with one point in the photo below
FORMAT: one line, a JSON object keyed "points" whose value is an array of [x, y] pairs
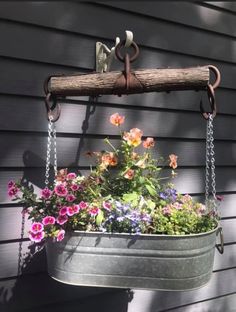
{"points": [[162, 262]]}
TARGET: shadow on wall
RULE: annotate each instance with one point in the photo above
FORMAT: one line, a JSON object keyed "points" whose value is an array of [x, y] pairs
{"points": [[38, 292]]}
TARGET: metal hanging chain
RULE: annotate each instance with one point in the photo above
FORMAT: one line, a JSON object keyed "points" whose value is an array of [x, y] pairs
{"points": [[210, 167], [51, 139], [20, 256]]}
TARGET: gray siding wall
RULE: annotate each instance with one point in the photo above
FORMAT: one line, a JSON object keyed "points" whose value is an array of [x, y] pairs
{"points": [[38, 39]]}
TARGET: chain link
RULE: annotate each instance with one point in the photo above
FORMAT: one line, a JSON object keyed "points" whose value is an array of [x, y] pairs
{"points": [[211, 203], [20, 256], [51, 141]]}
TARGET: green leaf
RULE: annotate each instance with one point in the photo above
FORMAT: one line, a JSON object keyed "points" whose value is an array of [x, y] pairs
{"points": [[129, 197], [99, 218], [151, 190], [150, 204]]}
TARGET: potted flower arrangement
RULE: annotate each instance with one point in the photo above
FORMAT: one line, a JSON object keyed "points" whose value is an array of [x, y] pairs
{"points": [[122, 225]]}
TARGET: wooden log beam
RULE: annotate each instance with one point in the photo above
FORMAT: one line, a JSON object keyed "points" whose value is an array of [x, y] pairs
{"points": [[146, 80]]}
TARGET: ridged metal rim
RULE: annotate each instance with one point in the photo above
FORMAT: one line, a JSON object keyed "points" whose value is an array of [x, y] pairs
{"points": [[145, 235]]}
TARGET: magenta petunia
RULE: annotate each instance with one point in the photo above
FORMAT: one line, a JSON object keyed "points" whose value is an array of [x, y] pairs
{"points": [[62, 219], [71, 210], [36, 227], [48, 220], [106, 205], [83, 205], [11, 184], [60, 235], [74, 187], [76, 208], [71, 176], [46, 193], [63, 211], [36, 237], [61, 190], [13, 191], [70, 197], [94, 211]]}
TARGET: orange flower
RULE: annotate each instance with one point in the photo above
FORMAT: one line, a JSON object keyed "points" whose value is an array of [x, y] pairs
{"points": [[148, 143], [133, 137], [173, 161], [109, 159], [129, 174], [117, 119]]}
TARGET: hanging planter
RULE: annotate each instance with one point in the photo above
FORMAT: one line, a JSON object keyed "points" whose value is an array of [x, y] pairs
{"points": [[123, 225], [164, 262]]}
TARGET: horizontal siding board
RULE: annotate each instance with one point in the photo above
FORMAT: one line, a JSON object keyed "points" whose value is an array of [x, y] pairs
{"points": [[63, 297], [22, 294], [163, 38], [227, 5], [185, 100], [224, 303], [221, 283], [161, 124], [190, 14], [11, 223], [25, 150]]}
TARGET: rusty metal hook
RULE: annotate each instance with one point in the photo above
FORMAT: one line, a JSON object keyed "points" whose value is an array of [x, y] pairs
{"points": [[212, 101], [131, 58], [54, 109], [216, 72]]}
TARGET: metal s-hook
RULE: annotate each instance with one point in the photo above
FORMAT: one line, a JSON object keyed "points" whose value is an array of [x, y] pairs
{"points": [[212, 101], [52, 107], [211, 93]]}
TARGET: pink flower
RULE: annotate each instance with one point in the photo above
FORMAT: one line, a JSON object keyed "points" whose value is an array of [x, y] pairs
{"points": [[70, 197], [61, 190], [201, 209], [13, 191], [219, 197], [117, 119], [46, 193], [63, 211], [71, 176], [94, 211], [62, 219], [11, 184], [83, 205], [36, 227], [36, 237], [106, 205], [177, 206], [166, 211], [74, 187], [76, 208], [49, 220], [60, 235], [71, 210], [186, 198], [129, 174], [148, 143]]}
